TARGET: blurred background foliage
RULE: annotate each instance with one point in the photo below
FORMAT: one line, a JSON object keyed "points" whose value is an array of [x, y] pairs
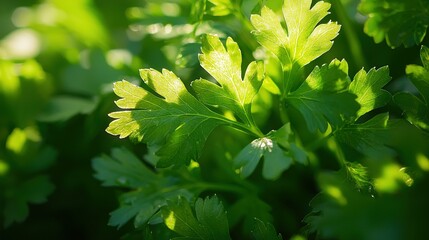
{"points": [[58, 60]]}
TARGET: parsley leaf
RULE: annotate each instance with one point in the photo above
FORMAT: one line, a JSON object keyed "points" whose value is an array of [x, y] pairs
{"points": [[276, 161], [150, 191], [34, 191], [367, 88], [224, 65], [368, 137], [246, 209], [220, 7], [302, 41], [359, 175], [174, 120], [265, 231], [62, 108], [416, 111], [164, 113], [415, 108], [324, 96], [277, 148], [209, 223], [399, 22], [122, 169]]}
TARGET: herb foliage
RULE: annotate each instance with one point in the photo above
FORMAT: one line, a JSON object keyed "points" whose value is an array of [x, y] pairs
{"points": [[250, 120]]}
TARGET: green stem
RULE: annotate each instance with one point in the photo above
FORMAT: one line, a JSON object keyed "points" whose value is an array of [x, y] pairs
{"points": [[248, 27], [351, 36], [289, 83], [289, 73], [252, 130], [340, 155], [284, 117], [253, 125]]}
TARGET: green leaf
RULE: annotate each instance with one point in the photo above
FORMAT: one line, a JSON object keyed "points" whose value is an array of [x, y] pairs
{"points": [[92, 78], [24, 89], [150, 191], [368, 89], [188, 55], [246, 209], [265, 231], [33, 191], [399, 22], [416, 109], [175, 120], [224, 65], [178, 216], [419, 75], [197, 11], [210, 213], [302, 41], [318, 98], [210, 222], [15, 210], [248, 158], [368, 137], [275, 159], [62, 108], [424, 56], [358, 174], [122, 169], [278, 149], [286, 140], [164, 113], [144, 204], [221, 7], [298, 154]]}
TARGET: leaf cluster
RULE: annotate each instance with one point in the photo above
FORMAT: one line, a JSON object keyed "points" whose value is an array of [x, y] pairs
{"points": [[323, 108], [243, 113], [398, 22]]}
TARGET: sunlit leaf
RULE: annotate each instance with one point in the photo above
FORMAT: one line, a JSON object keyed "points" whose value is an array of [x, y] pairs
{"points": [[302, 41], [318, 97], [171, 116], [368, 89], [224, 64], [209, 223]]}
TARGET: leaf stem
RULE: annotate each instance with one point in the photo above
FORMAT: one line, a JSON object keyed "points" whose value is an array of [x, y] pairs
{"points": [[238, 13], [339, 153], [351, 36], [251, 129], [289, 72]]}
